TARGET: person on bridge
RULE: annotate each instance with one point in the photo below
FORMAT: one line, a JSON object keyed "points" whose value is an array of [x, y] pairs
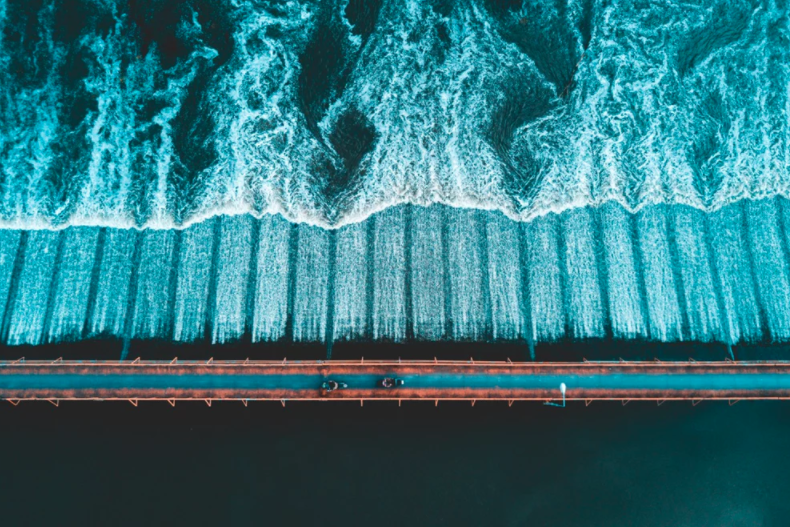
{"points": [[391, 382], [331, 385]]}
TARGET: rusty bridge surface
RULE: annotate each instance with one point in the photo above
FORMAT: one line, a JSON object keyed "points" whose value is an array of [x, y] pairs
{"points": [[471, 380]]}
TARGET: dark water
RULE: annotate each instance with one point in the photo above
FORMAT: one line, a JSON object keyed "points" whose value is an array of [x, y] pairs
{"points": [[339, 464]]}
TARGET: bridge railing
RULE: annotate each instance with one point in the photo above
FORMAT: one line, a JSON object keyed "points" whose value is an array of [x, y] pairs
{"points": [[362, 362]]}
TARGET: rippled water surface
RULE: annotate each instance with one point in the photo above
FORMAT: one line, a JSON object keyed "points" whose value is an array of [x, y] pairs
{"points": [[471, 170], [161, 113]]}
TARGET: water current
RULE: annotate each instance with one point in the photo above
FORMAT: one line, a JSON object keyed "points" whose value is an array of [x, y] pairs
{"points": [[154, 113], [394, 170]]}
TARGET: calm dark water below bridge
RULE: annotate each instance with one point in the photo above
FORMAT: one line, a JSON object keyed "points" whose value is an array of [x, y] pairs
{"points": [[341, 464]]}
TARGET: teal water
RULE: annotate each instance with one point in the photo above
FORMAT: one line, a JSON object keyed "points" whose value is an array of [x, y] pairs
{"points": [[395, 171], [162, 113], [418, 465], [411, 274], [600, 171]]}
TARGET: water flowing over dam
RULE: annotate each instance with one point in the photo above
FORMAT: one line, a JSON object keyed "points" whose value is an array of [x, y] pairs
{"points": [[668, 273], [477, 170]]}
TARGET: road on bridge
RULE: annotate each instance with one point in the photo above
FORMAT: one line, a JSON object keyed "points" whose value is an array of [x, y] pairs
{"points": [[426, 380]]}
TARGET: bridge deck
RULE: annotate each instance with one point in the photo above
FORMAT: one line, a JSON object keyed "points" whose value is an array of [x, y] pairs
{"points": [[427, 380]]}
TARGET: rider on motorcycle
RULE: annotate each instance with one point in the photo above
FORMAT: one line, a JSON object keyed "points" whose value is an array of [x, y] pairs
{"points": [[331, 385]]}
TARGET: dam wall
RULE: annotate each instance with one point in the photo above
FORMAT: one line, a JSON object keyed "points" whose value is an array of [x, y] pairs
{"points": [[669, 273]]}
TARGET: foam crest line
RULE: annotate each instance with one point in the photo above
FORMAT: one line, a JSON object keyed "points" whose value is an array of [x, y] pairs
{"points": [[668, 273]]}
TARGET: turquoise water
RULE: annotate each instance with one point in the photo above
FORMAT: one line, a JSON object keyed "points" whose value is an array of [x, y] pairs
{"points": [[394, 171], [606, 172], [665, 274], [162, 113]]}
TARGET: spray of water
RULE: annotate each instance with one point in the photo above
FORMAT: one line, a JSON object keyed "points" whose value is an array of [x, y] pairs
{"points": [[144, 114]]}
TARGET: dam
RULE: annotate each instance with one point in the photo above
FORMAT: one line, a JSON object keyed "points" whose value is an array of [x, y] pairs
{"points": [[394, 262], [667, 274], [260, 174]]}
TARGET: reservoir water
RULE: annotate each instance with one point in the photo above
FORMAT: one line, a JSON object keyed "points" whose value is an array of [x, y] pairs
{"points": [[330, 463]]}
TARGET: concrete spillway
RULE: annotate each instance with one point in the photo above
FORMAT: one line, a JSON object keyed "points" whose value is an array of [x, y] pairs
{"points": [[422, 380], [666, 273]]}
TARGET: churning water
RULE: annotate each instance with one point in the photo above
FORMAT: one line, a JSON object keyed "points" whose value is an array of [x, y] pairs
{"points": [[395, 169]]}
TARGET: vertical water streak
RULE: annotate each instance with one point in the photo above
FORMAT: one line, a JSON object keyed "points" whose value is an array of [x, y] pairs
{"points": [[770, 265], [213, 265], [115, 270], [625, 302], [548, 316], [783, 206], [389, 271], [370, 276], [427, 284], [702, 304], [329, 334], [408, 292], [603, 270], [9, 247], [194, 273], [676, 262], [662, 300], [93, 289], [725, 330], [29, 311], [350, 285], [504, 277], [312, 281], [732, 259], [466, 275], [53, 285], [172, 283], [271, 282], [131, 303], [583, 304], [293, 261], [230, 308], [252, 281], [525, 287], [483, 245], [149, 316], [449, 315], [72, 290]]}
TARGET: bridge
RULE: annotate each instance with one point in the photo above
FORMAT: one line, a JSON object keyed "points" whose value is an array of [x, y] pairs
{"points": [[435, 381]]}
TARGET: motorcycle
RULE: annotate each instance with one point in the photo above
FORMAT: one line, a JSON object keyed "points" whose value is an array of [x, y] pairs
{"points": [[391, 382], [331, 386]]}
